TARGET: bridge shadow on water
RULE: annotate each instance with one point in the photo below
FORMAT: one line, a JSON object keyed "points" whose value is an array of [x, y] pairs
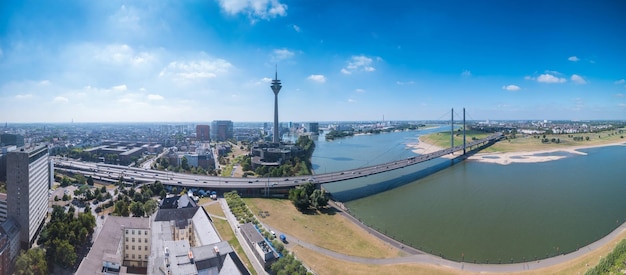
{"points": [[373, 184]]}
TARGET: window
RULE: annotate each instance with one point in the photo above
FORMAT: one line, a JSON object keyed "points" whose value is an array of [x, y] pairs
{"points": [[145, 232], [127, 256], [145, 240], [133, 256], [133, 247], [126, 231], [133, 239], [146, 256], [126, 238], [126, 246], [139, 247], [146, 247], [139, 239]]}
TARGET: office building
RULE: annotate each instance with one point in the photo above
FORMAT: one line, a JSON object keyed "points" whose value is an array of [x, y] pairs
{"points": [[203, 132], [3, 207], [221, 130], [28, 177], [3, 161], [313, 128], [11, 139]]}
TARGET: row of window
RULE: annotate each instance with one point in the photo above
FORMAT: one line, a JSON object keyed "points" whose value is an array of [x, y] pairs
{"points": [[138, 256], [138, 240], [138, 232], [138, 247]]}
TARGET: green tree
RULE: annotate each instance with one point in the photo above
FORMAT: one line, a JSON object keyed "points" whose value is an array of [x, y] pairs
{"points": [[150, 206], [137, 209], [90, 180], [299, 198], [32, 262], [184, 163], [319, 199], [65, 254], [121, 208]]}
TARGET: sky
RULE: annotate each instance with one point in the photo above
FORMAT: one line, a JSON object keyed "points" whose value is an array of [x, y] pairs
{"points": [[338, 60]]}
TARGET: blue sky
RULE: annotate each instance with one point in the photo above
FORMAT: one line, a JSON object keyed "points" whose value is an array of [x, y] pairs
{"points": [[136, 61]]}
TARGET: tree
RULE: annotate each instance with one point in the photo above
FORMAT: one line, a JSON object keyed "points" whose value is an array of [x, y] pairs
{"points": [[32, 262], [90, 181], [137, 209], [299, 198], [150, 206], [121, 208], [65, 254], [184, 163], [319, 199]]}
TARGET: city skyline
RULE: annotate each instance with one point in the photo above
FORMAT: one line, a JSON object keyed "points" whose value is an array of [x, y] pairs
{"points": [[117, 61]]}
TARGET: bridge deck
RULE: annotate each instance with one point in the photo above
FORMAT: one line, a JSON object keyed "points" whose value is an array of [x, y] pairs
{"points": [[114, 172]]}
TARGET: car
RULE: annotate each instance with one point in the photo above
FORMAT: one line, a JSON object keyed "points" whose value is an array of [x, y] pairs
{"points": [[180, 182], [273, 233], [249, 181], [286, 179]]}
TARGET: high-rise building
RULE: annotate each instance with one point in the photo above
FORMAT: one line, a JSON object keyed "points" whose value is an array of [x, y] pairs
{"points": [[28, 176], [313, 127], [221, 130], [276, 88], [11, 139], [202, 132]]}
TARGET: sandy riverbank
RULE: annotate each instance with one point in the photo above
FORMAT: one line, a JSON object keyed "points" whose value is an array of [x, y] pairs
{"points": [[514, 157], [534, 156]]}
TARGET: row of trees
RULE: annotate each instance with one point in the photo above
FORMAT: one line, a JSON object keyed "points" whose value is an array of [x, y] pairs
{"points": [[138, 203], [306, 196]]}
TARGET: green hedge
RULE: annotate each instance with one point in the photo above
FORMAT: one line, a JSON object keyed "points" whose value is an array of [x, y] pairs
{"points": [[612, 263]]}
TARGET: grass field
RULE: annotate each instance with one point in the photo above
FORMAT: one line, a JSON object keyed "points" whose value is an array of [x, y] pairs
{"points": [[526, 143], [318, 229], [331, 231], [226, 233]]}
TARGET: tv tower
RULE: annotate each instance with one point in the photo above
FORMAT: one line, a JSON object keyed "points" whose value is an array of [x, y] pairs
{"points": [[276, 88]]}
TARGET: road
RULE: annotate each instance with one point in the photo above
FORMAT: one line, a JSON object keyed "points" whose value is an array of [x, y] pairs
{"points": [[111, 173]]}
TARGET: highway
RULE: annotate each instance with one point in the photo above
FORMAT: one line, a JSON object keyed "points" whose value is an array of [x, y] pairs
{"points": [[112, 173]]}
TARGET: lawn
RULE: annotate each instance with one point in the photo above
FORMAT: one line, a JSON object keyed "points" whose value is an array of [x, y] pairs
{"points": [[323, 264], [329, 230]]}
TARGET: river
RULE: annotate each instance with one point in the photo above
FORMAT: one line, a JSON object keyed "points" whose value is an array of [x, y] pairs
{"points": [[481, 212]]}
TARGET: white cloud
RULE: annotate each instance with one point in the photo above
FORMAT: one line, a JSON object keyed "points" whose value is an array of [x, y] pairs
{"points": [[317, 78], [405, 83], [26, 96], [511, 88], [466, 73], [60, 99], [296, 28], [266, 80], [549, 78], [126, 18], [350, 100], [155, 97], [573, 58], [359, 63], [621, 81], [120, 88], [281, 54], [120, 54], [623, 105], [255, 9], [619, 95], [578, 79], [359, 91], [180, 70], [1, 53]]}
